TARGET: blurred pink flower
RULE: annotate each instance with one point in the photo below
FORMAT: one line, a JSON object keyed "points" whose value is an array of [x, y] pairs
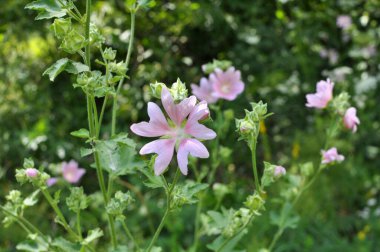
{"points": [[323, 95], [31, 172], [279, 171], [177, 134], [344, 21], [51, 181], [331, 155], [204, 92], [350, 119], [71, 172], [228, 84]]}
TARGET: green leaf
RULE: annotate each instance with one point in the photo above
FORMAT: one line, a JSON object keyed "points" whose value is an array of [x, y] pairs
{"points": [[46, 9], [82, 133], [118, 155], [186, 193], [65, 65], [85, 152], [92, 235], [221, 244], [31, 200], [64, 245], [153, 180]]}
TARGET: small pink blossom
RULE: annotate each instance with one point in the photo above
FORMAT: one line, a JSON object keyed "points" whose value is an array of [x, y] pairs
{"points": [[204, 92], [181, 133], [331, 155], [71, 172], [227, 85], [350, 120], [51, 181], [31, 172], [321, 98], [279, 171], [344, 21]]}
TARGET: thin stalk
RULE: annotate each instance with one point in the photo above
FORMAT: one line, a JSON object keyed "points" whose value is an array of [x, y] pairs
{"points": [[197, 222], [79, 229], [129, 234], [128, 58], [87, 33], [60, 215], [254, 165], [101, 115], [166, 213]]}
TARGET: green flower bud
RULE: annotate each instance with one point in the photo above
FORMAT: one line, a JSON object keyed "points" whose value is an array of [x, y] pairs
{"points": [[260, 109], [109, 54], [96, 38], [73, 42], [178, 90], [28, 163], [254, 202], [61, 27], [119, 203], [82, 79], [156, 89], [341, 103], [77, 200], [221, 64], [119, 68], [14, 196]]}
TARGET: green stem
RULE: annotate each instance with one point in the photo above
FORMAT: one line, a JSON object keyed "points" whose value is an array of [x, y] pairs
{"points": [[197, 222], [254, 165], [275, 238], [87, 33], [128, 58], [79, 229], [167, 210], [60, 216], [101, 115], [129, 234]]}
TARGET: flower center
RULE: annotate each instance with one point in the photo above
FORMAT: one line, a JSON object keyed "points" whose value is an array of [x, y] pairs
{"points": [[226, 87]]}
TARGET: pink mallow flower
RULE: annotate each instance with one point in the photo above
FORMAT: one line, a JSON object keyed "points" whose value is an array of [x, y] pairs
{"points": [[227, 85], [344, 21], [321, 98], [350, 120], [331, 155], [204, 92], [71, 172], [279, 171], [180, 133], [31, 172]]}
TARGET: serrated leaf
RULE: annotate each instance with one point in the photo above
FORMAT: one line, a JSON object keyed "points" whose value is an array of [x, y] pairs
{"points": [[221, 244], [31, 200], [46, 9], [82, 133], [85, 152], [93, 235], [118, 155], [65, 245], [65, 65], [153, 180]]}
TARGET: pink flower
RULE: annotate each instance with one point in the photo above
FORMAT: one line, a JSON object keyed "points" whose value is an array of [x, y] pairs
{"points": [[204, 92], [323, 95], [71, 172], [350, 119], [331, 155], [344, 21], [31, 172], [228, 84], [179, 133], [279, 171], [51, 181]]}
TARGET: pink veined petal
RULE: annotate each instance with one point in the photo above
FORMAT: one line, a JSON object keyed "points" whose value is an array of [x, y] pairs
{"points": [[192, 147], [177, 112], [200, 111], [199, 131], [157, 125], [164, 148]]}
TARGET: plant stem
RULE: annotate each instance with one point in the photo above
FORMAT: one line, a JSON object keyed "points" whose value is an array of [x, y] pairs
{"points": [[197, 217], [128, 58], [254, 165], [87, 33], [60, 215], [167, 210], [129, 234], [79, 229]]}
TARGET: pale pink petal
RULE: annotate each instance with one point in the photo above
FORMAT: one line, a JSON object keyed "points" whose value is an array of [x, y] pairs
{"points": [[157, 125], [350, 120], [227, 85], [199, 131], [199, 112], [164, 148], [177, 112], [192, 147]]}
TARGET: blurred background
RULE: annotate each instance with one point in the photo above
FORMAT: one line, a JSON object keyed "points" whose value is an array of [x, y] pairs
{"points": [[282, 49]]}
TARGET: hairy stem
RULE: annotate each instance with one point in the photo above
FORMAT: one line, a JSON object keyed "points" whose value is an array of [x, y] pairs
{"points": [[129, 234], [254, 164]]}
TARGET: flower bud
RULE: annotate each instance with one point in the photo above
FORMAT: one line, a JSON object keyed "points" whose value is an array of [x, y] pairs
{"points": [[341, 103], [279, 171], [61, 27], [109, 54], [119, 68], [31, 172], [178, 90], [254, 202], [221, 64], [156, 89]]}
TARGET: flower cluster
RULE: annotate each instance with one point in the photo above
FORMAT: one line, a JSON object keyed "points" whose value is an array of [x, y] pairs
{"points": [[181, 131], [221, 84]]}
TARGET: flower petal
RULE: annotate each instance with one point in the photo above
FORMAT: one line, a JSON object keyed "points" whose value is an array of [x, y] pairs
{"points": [[199, 131], [192, 147], [177, 112], [164, 148]]}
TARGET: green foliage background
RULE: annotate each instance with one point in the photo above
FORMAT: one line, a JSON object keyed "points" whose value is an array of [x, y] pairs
{"points": [[276, 45]]}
